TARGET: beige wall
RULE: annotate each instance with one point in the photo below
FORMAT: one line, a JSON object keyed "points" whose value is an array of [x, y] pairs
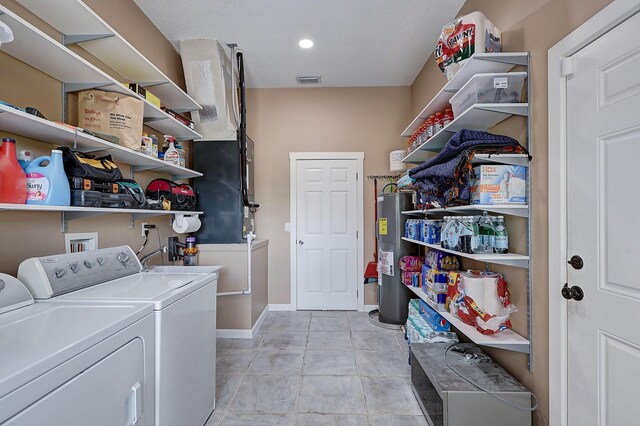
{"points": [[333, 119], [534, 27], [36, 234]]}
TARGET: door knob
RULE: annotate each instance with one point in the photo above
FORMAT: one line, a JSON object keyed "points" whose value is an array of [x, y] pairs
{"points": [[574, 292], [300, 242]]}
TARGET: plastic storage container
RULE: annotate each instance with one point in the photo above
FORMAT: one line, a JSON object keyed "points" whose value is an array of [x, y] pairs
{"points": [[489, 88]]}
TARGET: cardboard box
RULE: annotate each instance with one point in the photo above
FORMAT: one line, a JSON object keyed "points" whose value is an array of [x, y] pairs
{"points": [[134, 87], [499, 184]]}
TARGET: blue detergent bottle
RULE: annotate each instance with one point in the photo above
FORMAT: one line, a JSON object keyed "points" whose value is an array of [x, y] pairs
{"points": [[48, 185]]}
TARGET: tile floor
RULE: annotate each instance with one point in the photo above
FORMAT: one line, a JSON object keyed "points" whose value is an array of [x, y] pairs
{"points": [[315, 368]]}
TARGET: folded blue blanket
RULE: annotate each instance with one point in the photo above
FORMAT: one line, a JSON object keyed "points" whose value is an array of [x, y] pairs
{"points": [[445, 178]]}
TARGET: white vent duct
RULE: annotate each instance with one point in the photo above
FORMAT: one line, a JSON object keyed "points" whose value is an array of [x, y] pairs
{"points": [[211, 79]]}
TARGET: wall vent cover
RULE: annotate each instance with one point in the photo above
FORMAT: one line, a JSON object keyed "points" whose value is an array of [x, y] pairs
{"points": [[308, 79]]}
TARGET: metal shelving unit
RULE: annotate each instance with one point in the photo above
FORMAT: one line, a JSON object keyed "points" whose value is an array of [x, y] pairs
{"points": [[508, 339], [42, 52], [482, 117], [80, 25]]}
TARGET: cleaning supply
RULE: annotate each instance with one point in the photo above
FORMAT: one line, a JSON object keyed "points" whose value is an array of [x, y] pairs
{"points": [[171, 155], [182, 155], [24, 158], [13, 183], [154, 146], [48, 185]]}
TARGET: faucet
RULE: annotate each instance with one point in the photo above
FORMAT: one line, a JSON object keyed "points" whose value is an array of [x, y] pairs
{"points": [[145, 259]]}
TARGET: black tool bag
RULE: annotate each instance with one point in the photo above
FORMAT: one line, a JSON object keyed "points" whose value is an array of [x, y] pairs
{"points": [[78, 164], [133, 188]]}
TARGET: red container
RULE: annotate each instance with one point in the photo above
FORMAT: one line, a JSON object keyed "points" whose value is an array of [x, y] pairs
{"points": [[13, 182]]}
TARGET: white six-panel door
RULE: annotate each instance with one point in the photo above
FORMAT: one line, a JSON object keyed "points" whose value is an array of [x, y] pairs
{"points": [[603, 207], [326, 226]]}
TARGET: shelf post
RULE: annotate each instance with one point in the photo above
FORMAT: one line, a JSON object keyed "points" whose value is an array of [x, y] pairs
{"points": [[63, 222]]}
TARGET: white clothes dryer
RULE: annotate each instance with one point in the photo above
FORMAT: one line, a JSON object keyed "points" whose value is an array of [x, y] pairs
{"points": [[184, 303], [74, 364]]}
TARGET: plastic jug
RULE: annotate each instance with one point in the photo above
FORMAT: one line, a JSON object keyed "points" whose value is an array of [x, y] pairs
{"points": [[48, 184], [13, 183]]}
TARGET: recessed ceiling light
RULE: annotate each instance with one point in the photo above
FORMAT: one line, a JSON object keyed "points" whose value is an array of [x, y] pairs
{"points": [[305, 43]]}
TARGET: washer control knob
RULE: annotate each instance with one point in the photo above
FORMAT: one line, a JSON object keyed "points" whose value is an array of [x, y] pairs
{"points": [[2, 285], [75, 266], [100, 261], [88, 264], [59, 272], [124, 259]]}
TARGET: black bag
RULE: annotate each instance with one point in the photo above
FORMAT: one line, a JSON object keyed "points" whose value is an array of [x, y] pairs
{"points": [[78, 164]]}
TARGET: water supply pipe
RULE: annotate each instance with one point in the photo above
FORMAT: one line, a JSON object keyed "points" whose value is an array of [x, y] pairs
{"points": [[250, 237]]}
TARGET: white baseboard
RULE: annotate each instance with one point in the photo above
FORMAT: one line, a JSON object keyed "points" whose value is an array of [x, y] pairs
{"points": [[260, 320], [280, 307], [234, 333], [369, 308]]}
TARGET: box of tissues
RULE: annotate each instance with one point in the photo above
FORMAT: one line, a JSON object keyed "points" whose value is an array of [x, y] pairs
{"points": [[498, 184]]}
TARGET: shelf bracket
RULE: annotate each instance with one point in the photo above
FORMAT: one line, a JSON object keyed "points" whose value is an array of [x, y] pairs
{"points": [[146, 84], [515, 60], [80, 38], [63, 222], [76, 87], [507, 109], [135, 169], [150, 119], [132, 221]]}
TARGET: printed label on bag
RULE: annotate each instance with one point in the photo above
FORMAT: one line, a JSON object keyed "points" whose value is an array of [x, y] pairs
{"points": [[37, 186], [500, 82]]}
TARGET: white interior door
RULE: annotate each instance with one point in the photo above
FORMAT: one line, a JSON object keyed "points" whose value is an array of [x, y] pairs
{"points": [[326, 226], [603, 147]]}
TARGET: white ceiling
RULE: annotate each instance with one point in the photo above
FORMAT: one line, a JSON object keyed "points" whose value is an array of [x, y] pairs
{"points": [[357, 42]]}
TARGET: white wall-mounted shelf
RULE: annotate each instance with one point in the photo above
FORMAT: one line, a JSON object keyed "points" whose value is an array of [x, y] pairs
{"points": [[21, 123], [83, 26], [476, 117], [40, 51], [509, 259], [80, 212], [478, 64], [508, 339], [521, 210]]}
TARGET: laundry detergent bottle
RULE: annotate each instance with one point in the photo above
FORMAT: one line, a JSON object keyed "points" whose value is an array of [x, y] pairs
{"points": [[48, 184], [13, 183]]}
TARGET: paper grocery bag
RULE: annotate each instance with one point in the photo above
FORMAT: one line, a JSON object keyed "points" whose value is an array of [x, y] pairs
{"points": [[112, 113]]}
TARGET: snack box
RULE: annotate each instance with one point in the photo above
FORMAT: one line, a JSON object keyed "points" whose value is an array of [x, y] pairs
{"points": [[499, 184]]}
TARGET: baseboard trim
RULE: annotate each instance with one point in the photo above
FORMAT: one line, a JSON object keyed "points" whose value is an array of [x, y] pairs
{"points": [[260, 320], [281, 307], [368, 308], [234, 333]]}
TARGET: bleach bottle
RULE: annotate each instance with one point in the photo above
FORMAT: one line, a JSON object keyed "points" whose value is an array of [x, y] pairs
{"points": [[48, 184]]}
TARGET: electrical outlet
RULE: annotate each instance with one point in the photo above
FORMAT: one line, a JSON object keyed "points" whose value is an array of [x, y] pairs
{"points": [[287, 227], [143, 227]]}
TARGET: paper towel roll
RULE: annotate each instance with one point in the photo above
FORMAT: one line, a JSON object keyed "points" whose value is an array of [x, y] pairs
{"points": [[492, 304], [474, 288], [186, 224]]}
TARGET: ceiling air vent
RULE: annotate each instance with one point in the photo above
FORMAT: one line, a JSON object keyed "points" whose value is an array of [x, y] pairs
{"points": [[308, 79]]}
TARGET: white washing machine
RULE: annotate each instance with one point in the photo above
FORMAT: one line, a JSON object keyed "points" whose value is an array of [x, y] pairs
{"points": [[184, 303], [74, 364]]}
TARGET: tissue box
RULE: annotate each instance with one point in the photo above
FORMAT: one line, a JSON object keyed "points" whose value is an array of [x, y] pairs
{"points": [[499, 185]]}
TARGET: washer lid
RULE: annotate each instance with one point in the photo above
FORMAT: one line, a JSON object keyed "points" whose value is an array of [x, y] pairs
{"points": [[39, 337], [158, 288]]}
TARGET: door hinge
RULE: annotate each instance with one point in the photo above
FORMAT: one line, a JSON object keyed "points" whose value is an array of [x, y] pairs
{"points": [[566, 67], [356, 175], [356, 235]]}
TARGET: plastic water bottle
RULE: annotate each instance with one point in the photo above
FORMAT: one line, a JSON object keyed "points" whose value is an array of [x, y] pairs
{"points": [[487, 233], [501, 244]]}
